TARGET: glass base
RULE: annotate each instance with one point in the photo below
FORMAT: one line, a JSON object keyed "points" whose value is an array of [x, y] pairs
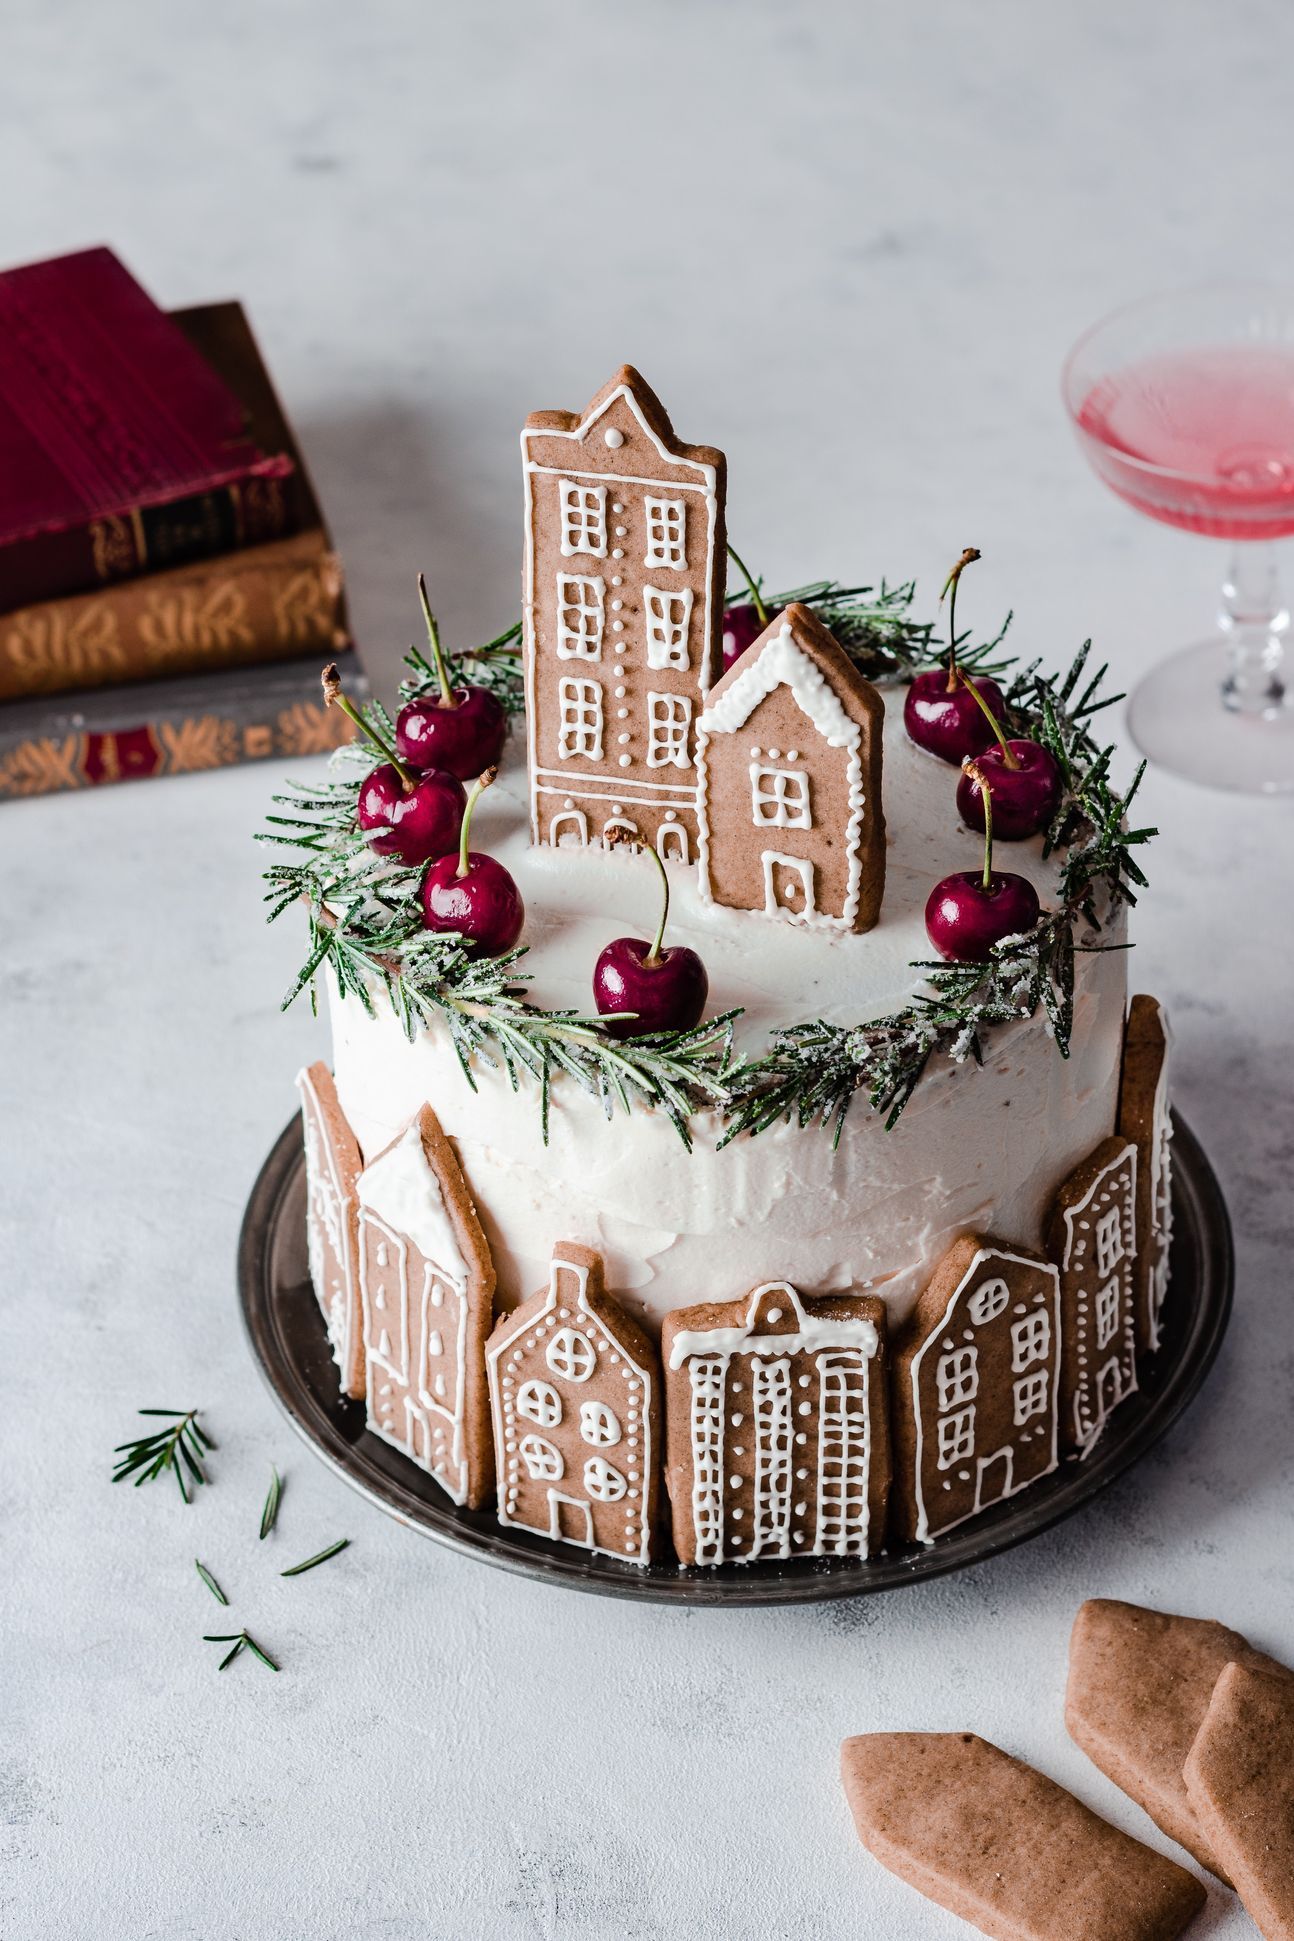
{"points": [[1178, 719]]}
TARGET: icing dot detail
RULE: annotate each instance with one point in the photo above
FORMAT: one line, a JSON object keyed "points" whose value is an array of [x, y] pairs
{"points": [[615, 439]]}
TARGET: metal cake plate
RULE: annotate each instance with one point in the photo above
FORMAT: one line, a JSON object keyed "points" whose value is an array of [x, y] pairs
{"points": [[288, 1340]]}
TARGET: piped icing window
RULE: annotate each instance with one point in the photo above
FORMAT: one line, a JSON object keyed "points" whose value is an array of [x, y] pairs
{"points": [[665, 530], [957, 1377], [1107, 1313], [668, 615], [1109, 1241], [957, 1437], [669, 725], [570, 1355], [779, 798], [988, 1301], [542, 1460], [599, 1425], [1030, 1340], [1030, 1395], [580, 616], [540, 1403], [603, 1483], [581, 724], [584, 519]]}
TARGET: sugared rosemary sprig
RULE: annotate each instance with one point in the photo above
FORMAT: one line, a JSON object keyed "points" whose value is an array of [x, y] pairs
{"points": [[179, 1448], [813, 1072], [364, 924]]}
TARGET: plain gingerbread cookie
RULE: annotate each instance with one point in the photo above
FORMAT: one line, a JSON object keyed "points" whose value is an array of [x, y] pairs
{"points": [[994, 1841], [1139, 1685], [1240, 1782]]}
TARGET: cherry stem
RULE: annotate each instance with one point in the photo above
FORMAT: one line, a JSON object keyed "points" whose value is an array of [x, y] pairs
{"points": [[1009, 760], [977, 775], [335, 698], [756, 599], [653, 955], [478, 789], [448, 699], [969, 556]]}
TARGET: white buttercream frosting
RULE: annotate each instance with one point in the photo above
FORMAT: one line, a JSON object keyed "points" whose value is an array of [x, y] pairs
{"points": [[980, 1148], [404, 1192]]}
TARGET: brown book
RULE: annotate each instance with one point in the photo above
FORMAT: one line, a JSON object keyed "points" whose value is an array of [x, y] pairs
{"points": [[264, 603], [171, 727]]}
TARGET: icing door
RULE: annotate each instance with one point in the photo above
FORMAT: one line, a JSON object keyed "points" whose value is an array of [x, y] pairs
{"points": [[993, 1477], [788, 886], [671, 843], [570, 1518]]}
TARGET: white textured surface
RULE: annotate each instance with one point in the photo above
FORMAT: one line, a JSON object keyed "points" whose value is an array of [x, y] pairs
{"points": [[914, 211]]}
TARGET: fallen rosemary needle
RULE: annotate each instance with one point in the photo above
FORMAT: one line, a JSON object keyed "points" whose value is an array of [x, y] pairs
{"points": [[181, 1446], [238, 1640], [270, 1513], [321, 1558], [209, 1581]]}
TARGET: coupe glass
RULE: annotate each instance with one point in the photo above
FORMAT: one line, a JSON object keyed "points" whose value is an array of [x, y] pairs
{"points": [[1184, 405]]}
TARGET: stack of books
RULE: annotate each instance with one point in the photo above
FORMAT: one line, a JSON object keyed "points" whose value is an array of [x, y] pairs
{"points": [[168, 587]]}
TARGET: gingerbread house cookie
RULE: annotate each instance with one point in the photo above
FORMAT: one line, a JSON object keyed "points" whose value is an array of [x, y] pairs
{"points": [[623, 600], [1145, 1119], [1092, 1237], [976, 1382], [427, 1286], [789, 757], [333, 1164], [575, 1394], [777, 1426]]}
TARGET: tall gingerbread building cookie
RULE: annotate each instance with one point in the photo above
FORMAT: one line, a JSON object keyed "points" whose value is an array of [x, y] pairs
{"points": [[1092, 1237], [777, 1426], [427, 1284], [976, 1384], [789, 754], [333, 1165], [622, 609], [576, 1398], [1145, 1119]]}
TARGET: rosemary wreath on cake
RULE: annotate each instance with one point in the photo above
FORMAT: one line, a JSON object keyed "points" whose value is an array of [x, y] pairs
{"points": [[365, 918]]}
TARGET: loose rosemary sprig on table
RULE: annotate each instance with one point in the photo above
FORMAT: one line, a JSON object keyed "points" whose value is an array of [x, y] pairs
{"points": [[179, 1448], [241, 1641]]}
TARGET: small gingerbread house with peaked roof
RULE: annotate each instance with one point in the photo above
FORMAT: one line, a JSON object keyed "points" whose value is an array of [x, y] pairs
{"points": [[1092, 1237], [1145, 1118], [622, 604], [427, 1292], [778, 1426], [575, 1395], [333, 1166], [789, 766], [975, 1386]]}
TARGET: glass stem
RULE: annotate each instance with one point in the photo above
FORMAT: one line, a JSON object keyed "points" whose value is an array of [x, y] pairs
{"points": [[1254, 619]]}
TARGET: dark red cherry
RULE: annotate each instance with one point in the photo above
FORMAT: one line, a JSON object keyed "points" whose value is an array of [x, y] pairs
{"points": [[472, 895], [965, 916], [461, 729], [667, 993], [741, 626], [664, 990], [1024, 784], [415, 824], [464, 736], [948, 721]]}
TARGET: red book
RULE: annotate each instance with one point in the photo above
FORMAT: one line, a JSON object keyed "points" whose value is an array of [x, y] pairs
{"points": [[121, 450]]}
